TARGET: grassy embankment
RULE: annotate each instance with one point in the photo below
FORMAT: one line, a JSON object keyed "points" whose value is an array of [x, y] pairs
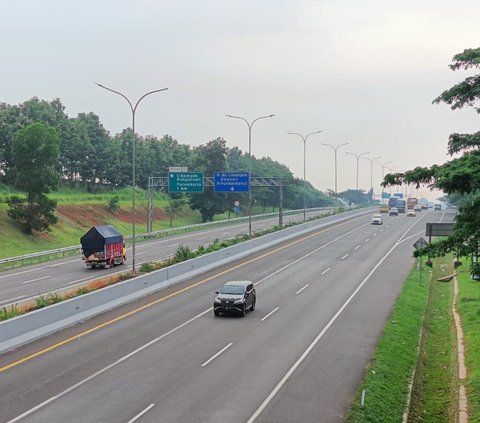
{"points": [[469, 309], [78, 211], [388, 377]]}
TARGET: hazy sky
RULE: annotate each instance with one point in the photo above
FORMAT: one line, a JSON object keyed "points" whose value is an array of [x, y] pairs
{"points": [[363, 72]]}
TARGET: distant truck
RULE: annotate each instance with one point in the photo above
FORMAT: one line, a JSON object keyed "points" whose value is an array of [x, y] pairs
{"points": [[411, 203], [392, 202], [401, 205], [103, 246]]}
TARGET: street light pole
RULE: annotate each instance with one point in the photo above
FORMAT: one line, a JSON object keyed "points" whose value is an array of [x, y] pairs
{"points": [[357, 156], [390, 170], [250, 164], [383, 165], [304, 138], [335, 148], [371, 172], [133, 108]]}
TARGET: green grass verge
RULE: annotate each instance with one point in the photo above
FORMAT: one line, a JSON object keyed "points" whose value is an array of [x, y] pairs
{"points": [[469, 308], [388, 376], [434, 395]]}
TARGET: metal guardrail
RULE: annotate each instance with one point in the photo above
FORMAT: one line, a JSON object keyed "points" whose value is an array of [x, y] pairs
{"points": [[19, 261]]}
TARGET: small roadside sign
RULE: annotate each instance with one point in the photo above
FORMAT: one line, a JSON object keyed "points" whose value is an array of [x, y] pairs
{"points": [[178, 169], [439, 229], [420, 243]]}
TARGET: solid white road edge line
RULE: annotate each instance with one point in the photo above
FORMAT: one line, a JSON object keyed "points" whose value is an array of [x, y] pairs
{"points": [[269, 314], [217, 354], [319, 336], [141, 414]]}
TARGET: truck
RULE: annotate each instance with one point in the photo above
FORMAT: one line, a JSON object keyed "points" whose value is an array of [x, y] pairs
{"points": [[411, 203], [103, 246], [392, 202], [401, 205]]}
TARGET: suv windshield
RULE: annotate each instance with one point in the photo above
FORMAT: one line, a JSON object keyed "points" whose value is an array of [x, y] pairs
{"points": [[232, 289]]}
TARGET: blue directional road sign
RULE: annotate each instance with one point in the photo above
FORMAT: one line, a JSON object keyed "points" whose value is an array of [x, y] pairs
{"points": [[185, 182], [231, 181]]}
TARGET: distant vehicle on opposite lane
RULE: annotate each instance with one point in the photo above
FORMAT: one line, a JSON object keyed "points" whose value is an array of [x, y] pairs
{"points": [[376, 219]]}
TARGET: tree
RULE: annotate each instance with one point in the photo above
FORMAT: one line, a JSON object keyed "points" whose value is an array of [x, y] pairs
{"points": [[210, 158], [459, 176], [35, 156], [174, 208]]}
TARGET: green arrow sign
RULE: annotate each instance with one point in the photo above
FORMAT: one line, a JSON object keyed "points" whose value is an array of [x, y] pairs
{"points": [[185, 182]]}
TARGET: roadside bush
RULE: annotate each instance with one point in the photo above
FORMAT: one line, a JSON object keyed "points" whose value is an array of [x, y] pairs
{"points": [[113, 204], [41, 301], [83, 290], [9, 312], [183, 253], [147, 267]]}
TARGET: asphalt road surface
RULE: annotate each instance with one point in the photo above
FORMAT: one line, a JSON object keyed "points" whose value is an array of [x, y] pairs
{"points": [[322, 302], [21, 284], [25, 283]]}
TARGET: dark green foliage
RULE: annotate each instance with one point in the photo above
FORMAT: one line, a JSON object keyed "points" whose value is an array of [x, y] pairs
{"points": [[41, 301], [90, 158], [32, 216], [9, 312], [353, 196], [113, 204], [174, 208], [210, 158], [34, 160], [147, 268], [460, 177], [183, 253]]}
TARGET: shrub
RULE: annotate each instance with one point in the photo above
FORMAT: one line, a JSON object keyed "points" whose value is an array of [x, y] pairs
{"points": [[41, 301], [183, 253], [113, 204], [147, 267]]}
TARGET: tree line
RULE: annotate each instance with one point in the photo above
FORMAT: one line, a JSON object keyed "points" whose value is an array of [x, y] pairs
{"points": [[42, 147]]}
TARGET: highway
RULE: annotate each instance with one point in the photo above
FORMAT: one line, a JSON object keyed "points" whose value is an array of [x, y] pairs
{"points": [[322, 302], [22, 284]]}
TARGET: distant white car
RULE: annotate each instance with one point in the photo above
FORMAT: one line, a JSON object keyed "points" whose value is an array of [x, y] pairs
{"points": [[393, 212], [376, 219], [411, 213], [417, 208]]}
